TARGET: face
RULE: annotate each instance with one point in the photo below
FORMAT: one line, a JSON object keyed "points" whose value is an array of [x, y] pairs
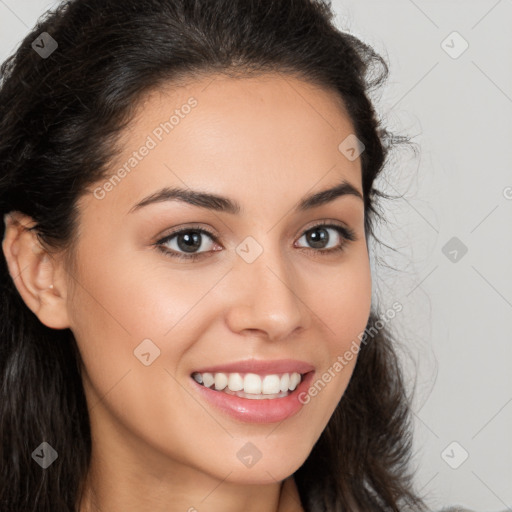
{"points": [[273, 285]]}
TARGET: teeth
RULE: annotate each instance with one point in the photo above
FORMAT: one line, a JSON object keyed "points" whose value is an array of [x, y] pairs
{"points": [[221, 381], [294, 381], [250, 383], [285, 382], [235, 382], [208, 379], [271, 384]]}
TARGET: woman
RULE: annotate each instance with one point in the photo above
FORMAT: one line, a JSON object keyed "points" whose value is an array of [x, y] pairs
{"points": [[187, 192]]}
